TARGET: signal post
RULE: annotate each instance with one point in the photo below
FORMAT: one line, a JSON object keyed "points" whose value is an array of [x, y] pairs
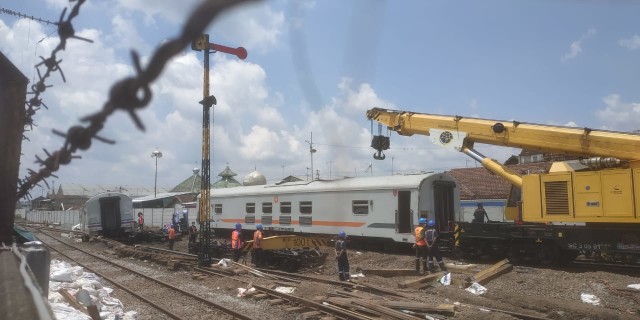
{"points": [[208, 101]]}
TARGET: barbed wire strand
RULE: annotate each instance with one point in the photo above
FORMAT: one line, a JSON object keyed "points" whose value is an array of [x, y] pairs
{"points": [[129, 94]]}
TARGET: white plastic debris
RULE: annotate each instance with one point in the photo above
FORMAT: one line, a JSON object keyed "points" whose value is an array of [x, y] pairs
{"points": [[87, 289], [77, 227], [358, 252], [224, 262], [64, 311], [634, 286], [357, 275], [244, 291], [287, 290], [590, 299], [476, 288], [446, 279], [62, 275]]}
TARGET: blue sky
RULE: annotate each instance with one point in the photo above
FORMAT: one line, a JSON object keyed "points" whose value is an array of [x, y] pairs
{"points": [[318, 66]]}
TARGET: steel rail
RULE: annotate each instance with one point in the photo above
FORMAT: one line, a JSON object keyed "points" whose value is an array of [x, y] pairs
{"points": [[115, 283], [333, 310], [345, 284], [167, 251], [189, 294]]}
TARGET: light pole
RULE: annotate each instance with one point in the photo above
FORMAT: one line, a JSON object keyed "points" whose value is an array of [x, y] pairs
{"points": [[311, 152], [156, 154]]}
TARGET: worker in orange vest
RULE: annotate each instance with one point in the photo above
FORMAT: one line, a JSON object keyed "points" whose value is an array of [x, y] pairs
{"points": [[236, 242], [421, 245], [172, 237], [258, 252]]}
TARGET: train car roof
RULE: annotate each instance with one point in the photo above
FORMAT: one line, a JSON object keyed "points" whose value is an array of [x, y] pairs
{"points": [[108, 194], [352, 184]]}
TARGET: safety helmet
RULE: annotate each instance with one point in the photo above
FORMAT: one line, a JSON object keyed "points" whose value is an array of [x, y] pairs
{"points": [[185, 211], [342, 234], [238, 226], [422, 220], [259, 226], [431, 223]]}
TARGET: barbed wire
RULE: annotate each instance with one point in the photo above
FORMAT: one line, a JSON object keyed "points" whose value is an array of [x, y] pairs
{"points": [[129, 94], [22, 15]]}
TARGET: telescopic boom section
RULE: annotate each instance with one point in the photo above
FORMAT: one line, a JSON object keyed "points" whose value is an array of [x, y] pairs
{"points": [[462, 133], [553, 139]]}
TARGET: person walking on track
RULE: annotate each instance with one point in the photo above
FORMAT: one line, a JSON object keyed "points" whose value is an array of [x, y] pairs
{"points": [[421, 245], [236, 242], [341, 256], [193, 232], [258, 252], [432, 236], [172, 237]]}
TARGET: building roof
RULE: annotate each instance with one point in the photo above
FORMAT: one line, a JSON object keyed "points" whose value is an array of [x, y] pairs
{"points": [[92, 190], [480, 183], [159, 196], [9, 72], [227, 180], [191, 184], [254, 178]]}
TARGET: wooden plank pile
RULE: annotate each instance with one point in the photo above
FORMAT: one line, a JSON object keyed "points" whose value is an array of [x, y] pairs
{"points": [[377, 307], [485, 276]]}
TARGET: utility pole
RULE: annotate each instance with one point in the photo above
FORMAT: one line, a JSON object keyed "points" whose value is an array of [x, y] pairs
{"points": [[391, 165], [202, 44], [311, 152]]}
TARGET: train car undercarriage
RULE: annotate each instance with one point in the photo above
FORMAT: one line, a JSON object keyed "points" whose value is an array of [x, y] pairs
{"points": [[543, 244]]}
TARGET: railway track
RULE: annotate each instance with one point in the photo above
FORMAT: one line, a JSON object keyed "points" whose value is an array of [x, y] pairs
{"points": [[155, 293]]}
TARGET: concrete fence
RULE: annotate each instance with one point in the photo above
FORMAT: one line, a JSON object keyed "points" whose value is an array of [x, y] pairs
{"points": [[153, 217]]}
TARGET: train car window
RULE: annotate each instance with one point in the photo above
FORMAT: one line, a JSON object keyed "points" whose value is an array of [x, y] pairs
{"points": [[251, 207], [360, 207], [217, 208], [305, 207], [267, 207], [285, 207]]}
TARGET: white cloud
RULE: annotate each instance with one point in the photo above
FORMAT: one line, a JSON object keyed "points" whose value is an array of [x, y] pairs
{"points": [[125, 34], [570, 124], [360, 100], [630, 43], [618, 115], [170, 10], [576, 46], [255, 27]]}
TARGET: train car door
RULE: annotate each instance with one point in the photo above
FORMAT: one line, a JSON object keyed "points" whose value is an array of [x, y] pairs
{"points": [[403, 214], [110, 214], [443, 204]]}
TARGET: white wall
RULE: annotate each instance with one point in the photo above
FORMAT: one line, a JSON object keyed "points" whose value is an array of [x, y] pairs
{"points": [[493, 207], [153, 217]]}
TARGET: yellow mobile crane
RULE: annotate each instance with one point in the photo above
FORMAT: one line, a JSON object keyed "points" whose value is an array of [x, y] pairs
{"points": [[600, 192]]}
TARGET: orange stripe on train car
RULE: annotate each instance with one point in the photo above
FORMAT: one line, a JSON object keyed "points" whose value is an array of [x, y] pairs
{"points": [[315, 223]]}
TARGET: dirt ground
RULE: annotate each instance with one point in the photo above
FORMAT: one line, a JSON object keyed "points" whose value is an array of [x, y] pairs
{"points": [[552, 293], [542, 292]]}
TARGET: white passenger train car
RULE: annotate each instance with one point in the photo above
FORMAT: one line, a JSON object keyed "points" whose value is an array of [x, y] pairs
{"points": [[385, 207], [108, 213]]}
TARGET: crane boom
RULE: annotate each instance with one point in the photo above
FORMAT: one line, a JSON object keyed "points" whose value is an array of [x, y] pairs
{"points": [[548, 138], [602, 190]]}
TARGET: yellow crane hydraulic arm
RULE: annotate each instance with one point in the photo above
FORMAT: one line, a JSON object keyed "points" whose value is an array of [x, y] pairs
{"points": [[553, 139]]}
